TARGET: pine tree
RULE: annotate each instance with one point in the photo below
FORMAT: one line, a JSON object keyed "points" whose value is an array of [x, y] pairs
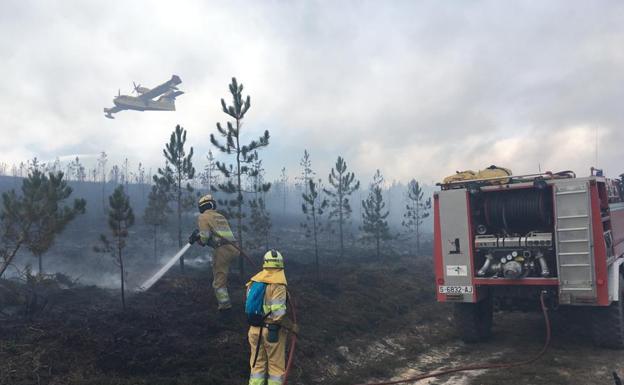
{"points": [[101, 165], [209, 177], [306, 171], [180, 166], [35, 217], [120, 219], [14, 226], [313, 207], [260, 220], [344, 184], [284, 187], [375, 225], [78, 170], [156, 212], [244, 156], [44, 196], [417, 209], [140, 179]]}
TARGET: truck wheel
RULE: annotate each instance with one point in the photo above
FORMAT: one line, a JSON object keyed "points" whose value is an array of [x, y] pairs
{"points": [[608, 323], [474, 320]]}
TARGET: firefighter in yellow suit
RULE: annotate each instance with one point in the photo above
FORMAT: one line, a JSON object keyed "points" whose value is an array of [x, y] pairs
{"points": [[268, 353], [215, 231]]}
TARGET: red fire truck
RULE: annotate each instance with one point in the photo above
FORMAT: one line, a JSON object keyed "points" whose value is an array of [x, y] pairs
{"points": [[499, 241]]}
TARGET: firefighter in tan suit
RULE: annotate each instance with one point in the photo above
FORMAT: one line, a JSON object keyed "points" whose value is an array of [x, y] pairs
{"points": [[215, 231], [268, 341]]}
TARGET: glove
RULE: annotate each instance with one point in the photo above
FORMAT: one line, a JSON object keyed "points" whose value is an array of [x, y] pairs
{"points": [[194, 237]]}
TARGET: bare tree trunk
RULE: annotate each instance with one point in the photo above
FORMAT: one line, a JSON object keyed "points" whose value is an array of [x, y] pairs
{"points": [[8, 258], [39, 257], [239, 197], [123, 283], [417, 229], [316, 254], [155, 243], [180, 217], [340, 216]]}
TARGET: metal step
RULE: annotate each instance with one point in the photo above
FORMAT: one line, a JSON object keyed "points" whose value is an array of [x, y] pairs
{"points": [[572, 229], [573, 241], [575, 253], [571, 192], [575, 265], [572, 216]]}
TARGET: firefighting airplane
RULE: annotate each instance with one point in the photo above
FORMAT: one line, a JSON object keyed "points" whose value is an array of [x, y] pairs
{"points": [[144, 101]]}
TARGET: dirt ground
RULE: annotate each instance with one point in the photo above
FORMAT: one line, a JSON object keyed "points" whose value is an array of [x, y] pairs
{"points": [[571, 358], [360, 322]]}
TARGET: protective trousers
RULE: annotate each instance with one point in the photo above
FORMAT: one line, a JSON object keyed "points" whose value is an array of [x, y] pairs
{"points": [[271, 361], [223, 257]]}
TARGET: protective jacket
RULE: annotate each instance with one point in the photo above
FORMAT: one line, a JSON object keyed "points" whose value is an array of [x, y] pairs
{"points": [[268, 342], [210, 222], [215, 231]]}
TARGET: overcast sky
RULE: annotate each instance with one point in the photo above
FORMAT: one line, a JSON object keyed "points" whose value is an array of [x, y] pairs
{"points": [[415, 88]]}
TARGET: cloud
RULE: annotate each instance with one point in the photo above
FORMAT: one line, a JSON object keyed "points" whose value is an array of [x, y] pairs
{"points": [[414, 89]]}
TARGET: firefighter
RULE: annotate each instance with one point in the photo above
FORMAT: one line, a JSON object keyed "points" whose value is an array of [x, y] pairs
{"points": [[266, 312], [215, 231]]}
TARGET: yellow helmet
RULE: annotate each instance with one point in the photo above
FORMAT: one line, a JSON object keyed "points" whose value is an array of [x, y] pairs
{"points": [[206, 202], [273, 259]]}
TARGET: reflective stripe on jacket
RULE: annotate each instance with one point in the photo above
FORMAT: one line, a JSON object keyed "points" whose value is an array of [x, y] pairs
{"points": [[275, 302], [211, 220]]}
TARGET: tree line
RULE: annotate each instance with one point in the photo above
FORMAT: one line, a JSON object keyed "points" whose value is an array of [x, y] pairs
{"points": [[32, 217]]}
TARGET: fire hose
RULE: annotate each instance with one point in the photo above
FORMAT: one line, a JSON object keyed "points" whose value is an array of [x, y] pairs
{"points": [[437, 373], [293, 307], [483, 366]]}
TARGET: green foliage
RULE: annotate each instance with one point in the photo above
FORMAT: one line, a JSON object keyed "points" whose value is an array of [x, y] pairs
{"points": [[259, 223], [157, 209], [344, 184], [416, 210], [174, 178], [120, 219], [260, 219], [209, 177], [49, 217], [245, 155], [306, 170], [375, 225], [313, 207], [34, 218]]}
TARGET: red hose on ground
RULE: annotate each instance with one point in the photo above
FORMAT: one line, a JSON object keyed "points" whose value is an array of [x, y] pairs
{"points": [[293, 345], [485, 365], [293, 340]]}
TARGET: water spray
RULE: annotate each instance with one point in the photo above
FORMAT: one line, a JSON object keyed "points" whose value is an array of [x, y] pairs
{"points": [[163, 270]]}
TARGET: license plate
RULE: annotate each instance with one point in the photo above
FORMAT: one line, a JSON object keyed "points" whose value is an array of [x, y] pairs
{"points": [[455, 289]]}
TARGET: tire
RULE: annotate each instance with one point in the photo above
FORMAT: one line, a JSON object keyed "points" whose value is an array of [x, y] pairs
{"points": [[474, 320], [608, 323]]}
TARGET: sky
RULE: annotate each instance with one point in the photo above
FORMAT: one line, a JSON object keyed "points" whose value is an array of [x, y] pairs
{"points": [[417, 89]]}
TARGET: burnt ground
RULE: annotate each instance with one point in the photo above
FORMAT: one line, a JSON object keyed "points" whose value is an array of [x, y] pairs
{"points": [[173, 335], [362, 321]]}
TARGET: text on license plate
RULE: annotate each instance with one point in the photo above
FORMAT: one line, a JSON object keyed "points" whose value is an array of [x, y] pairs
{"points": [[455, 289]]}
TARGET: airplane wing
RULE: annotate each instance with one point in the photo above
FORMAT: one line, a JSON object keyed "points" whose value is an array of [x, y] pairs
{"points": [[161, 89]]}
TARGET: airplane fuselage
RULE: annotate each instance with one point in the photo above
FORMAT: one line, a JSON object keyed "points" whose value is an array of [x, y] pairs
{"points": [[134, 103]]}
